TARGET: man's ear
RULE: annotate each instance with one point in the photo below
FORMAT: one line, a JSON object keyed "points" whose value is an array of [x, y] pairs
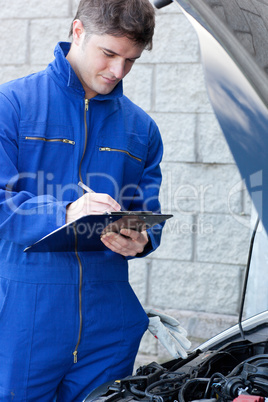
{"points": [[78, 31]]}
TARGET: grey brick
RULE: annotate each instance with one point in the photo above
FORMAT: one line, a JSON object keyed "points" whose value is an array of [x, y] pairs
{"points": [[13, 51], [148, 345], [227, 241], [194, 188], [213, 288], [181, 88], [138, 86], [178, 44], [247, 202], [138, 277], [178, 134], [74, 6], [176, 242], [44, 38], [143, 359], [172, 8], [8, 73], [34, 9], [212, 146]]}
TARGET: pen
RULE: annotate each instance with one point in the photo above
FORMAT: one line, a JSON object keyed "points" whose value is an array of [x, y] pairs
{"points": [[84, 187]]}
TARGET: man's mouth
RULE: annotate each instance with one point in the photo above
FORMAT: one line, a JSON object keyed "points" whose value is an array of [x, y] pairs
{"points": [[110, 80]]}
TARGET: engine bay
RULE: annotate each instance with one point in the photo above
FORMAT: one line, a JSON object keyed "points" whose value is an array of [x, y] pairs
{"points": [[236, 370]]}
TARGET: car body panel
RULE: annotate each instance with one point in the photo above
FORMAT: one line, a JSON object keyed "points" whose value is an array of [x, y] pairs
{"points": [[238, 88]]}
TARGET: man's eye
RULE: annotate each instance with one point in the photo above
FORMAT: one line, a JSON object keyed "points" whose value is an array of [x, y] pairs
{"points": [[108, 54]]}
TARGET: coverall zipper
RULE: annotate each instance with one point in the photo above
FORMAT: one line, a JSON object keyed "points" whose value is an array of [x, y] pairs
{"points": [[76, 250], [119, 150], [85, 122], [65, 140], [80, 296]]}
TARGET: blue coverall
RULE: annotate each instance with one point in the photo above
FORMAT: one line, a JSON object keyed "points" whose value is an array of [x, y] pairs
{"points": [[68, 321]]}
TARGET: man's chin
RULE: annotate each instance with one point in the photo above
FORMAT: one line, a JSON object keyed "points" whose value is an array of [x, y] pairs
{"points": [[107, 89]]}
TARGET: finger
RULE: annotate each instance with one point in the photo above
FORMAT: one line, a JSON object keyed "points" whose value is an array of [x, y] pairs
{"points": [[167, 319], [114, 247], [133, 234], [181, 352], [92, 203], [182, 340], [138, 237], [103, 200], [178, 329], [98, 208], [120, 244], [116, 240]]}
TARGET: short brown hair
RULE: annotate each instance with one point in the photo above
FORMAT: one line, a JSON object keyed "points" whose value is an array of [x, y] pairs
{"points": [[134, 19]]}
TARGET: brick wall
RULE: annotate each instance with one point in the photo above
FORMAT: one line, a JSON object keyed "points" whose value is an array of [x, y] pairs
{"points": [[197, 272]]}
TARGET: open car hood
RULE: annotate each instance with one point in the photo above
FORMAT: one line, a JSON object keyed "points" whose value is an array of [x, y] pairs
{"points": [[233, 37]]}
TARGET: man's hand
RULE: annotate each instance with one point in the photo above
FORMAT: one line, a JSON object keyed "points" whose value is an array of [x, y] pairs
{"points": [[127, 243], [91, 204]]}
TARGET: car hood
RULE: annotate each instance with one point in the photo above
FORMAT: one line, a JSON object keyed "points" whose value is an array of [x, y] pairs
{"points": [[233, 37]]}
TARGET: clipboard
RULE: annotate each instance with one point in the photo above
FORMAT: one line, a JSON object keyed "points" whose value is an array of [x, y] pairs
{"points": [[84, 234]]}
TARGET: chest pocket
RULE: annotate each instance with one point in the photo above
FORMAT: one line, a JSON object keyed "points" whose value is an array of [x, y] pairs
{"points": [[47, 150], [126, 144], [123, 155]]}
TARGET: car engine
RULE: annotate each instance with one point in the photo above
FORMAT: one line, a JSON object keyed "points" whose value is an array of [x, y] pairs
{"points": [[237, 371]]}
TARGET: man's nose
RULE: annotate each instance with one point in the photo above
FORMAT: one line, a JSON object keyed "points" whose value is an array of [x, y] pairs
{"points": [[117, 68]]}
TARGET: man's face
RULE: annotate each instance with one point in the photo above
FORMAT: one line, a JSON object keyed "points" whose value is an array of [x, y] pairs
{"points": [[101, 61]]}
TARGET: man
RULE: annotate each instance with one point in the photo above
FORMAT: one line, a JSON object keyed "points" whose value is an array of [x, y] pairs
{"points": [[70, 320]]}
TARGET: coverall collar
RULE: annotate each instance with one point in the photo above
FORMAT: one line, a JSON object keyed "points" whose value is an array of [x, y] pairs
{"points": [[65, 73]]}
